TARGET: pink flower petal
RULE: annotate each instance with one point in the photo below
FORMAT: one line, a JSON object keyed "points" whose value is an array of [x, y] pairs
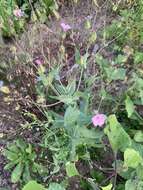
{"points": [[18, 13], [65, 27], [99, 120], [39, 61]]}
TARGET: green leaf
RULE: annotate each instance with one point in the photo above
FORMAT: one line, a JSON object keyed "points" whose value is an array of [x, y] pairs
{"points": [[118, 137], [26, 173], [29, 149], [129, 106], [16, 173], [70, 89], [10, 155], [138, 136], [21, 144], [139, 171], [9, 165], [118, 74], [90, 133], [138, 57], [115, 74], [134, 185], [132, 158], [33, 185], [67, 99], [140, 185], [130, 185], [71, 169], [71, 116], [54, 186], [108, 187]]}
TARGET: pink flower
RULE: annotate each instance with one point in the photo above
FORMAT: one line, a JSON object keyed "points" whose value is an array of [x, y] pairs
{"points": [[18, 13], [65, 27], [99, 120], [39, 61]]}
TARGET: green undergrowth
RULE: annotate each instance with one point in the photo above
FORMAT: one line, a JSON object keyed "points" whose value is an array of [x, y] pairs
{"points": [[68, 140]]}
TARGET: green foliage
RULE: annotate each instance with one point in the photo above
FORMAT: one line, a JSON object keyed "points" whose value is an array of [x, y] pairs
{"points": [[118, 137], [71, 169], [138, 136], [55, 186], [33, 185], [35, 10], [129, 106], [108, 187], [66, 105], [10, 24], [22, 161], [134, 184], [132, 158]]}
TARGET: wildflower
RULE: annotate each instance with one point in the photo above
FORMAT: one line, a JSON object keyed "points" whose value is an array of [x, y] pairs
{"points": [[65, 27], [99, 120], [18, 13], [38, 61]]}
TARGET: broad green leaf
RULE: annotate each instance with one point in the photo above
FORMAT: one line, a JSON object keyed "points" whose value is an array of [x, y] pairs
{"points": [[132, 158], [138, 136], [29, 149], [33, 185], [115, 73], [71, 169], [139, 171], [26, 173], [9, 165], [21, 144], [108, 187], [134, 185], [138, 147], [55, 186], [16, 173], [121, 59], [130, 185], [138, 57], [118, 137], [71, 116], [129, 106], [10, 155], [90, 133], [118, 74]]}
